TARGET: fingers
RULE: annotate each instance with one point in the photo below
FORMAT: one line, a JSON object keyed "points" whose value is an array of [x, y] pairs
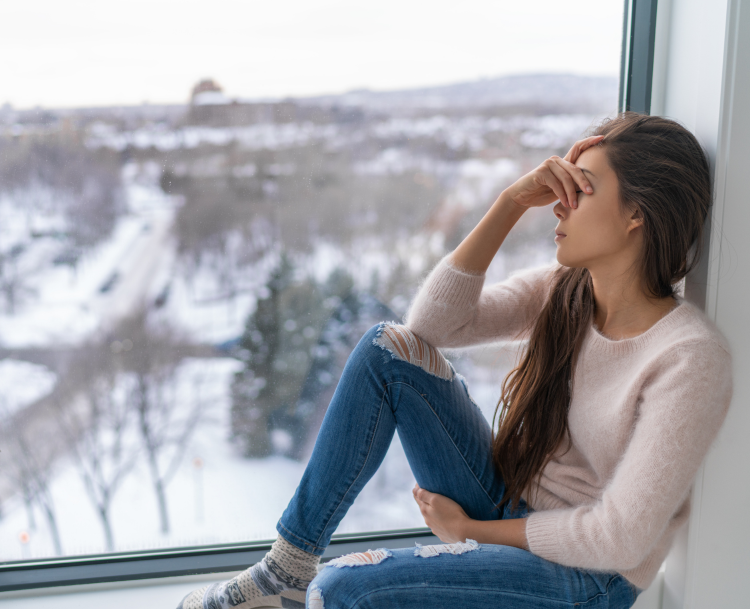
{"points": [[559, 180], [581, 145], [570, 179], [415, 492], [565, 189], [421, 495]]}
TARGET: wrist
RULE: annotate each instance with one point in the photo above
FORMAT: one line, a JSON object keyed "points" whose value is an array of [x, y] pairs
{"points": [[508, 203], [467, 529], [508, 532]]}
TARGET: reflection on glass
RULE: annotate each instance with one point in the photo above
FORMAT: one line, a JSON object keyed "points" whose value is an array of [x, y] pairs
{"points": [[180, 287]]}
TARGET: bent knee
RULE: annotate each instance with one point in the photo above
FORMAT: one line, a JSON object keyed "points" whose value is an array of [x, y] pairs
{"points": [[403, 344]]}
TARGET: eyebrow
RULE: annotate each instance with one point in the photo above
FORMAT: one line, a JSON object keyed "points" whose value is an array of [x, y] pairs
{"points": [[587, 171]]}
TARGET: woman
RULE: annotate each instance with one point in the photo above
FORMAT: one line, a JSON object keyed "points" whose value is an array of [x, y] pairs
{"points": [[602, 426]]}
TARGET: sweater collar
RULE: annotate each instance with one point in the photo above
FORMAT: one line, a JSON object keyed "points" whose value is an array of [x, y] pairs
{"points": [[674, 318]]}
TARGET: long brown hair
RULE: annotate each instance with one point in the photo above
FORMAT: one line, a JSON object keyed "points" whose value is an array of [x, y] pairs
{"points": [[663, 172]]}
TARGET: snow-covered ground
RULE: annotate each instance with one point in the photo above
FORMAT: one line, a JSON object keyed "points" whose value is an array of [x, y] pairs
{"points": [[22, 384], [455, 132], [62, 304]]}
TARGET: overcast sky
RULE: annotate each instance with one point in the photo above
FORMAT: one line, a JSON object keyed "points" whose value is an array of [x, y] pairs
{"points": [[59, 53]]}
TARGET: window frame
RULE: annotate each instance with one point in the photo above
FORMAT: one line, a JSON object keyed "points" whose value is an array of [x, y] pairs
{"points": [[150, 564], [636, 72], [637, 58]]}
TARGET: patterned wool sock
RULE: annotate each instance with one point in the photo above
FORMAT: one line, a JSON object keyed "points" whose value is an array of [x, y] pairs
{"points": [[279, 580]]}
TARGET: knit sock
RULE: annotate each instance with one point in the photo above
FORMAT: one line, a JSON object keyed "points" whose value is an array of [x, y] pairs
{"points": [[279, 580]]}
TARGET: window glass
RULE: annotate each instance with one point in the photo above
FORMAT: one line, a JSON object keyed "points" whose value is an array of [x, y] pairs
{"points": [[203, 206]]}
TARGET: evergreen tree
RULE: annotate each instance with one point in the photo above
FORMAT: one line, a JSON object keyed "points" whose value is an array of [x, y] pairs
{"points": [[294, 347], [275, 347]]}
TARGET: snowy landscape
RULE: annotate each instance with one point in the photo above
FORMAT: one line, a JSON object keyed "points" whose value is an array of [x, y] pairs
{"points": [[180, 287]]}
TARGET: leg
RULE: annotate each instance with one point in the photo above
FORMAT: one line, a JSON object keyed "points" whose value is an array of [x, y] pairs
{"points": [[484, 576], [393, 380]]}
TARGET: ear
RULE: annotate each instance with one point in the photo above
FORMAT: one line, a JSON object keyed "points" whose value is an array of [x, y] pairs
{"points": [[635, 218]]}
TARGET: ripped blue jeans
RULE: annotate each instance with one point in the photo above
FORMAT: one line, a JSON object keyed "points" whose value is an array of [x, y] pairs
{"points": [[391, 382]]}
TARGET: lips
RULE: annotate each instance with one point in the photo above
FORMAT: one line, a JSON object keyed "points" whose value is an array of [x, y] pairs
{"points": [[560, 233]]}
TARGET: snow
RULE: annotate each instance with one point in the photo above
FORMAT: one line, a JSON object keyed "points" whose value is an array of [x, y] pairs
{"points": [[260, 136], [62, 305], [23, 383], [549, 131], [66, 305], [197, 306]]}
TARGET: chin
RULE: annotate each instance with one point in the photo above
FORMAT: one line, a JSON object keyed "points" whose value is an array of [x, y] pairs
{"points": [[568, 260], [562, 258]]}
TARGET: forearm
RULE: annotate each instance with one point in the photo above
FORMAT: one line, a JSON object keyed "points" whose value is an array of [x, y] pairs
{"points": [[510, 532], [475, 253]]}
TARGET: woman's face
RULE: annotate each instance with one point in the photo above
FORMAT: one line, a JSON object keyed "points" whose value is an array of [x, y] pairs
{"points": [[598, 230]]}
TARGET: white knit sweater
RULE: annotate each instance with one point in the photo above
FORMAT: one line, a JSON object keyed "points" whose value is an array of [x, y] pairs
{"points": [[643, 414]]}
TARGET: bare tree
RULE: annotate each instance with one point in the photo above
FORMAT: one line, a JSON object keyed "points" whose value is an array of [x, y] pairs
{"points": [[164, 437], [97, 422], [32, 476], [149, 355], [28, 465]]}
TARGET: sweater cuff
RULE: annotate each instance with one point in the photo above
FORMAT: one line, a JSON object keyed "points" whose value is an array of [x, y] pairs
{"points": [[454, 287], [541, 535]]}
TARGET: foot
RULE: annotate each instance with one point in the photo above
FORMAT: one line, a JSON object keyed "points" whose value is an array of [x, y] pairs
{"points": [[279, 580]]}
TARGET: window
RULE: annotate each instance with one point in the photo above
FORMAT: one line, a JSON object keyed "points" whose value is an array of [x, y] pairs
{"points": [[181, 280]]}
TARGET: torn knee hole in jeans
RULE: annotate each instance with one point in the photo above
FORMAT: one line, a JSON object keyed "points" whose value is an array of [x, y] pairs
{"points": [[459, 547], [357, 559], [403, 344], [315, 598]]}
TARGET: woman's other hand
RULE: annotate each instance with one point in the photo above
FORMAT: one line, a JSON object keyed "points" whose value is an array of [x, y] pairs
{"points": [[446, 519], [554, 179]]}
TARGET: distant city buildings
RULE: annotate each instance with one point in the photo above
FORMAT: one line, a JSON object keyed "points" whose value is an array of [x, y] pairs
{"points": [[208, 93], [209, 105]]}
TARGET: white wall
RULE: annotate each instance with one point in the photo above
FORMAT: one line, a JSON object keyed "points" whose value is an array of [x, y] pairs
{"points": [[702, 78]]}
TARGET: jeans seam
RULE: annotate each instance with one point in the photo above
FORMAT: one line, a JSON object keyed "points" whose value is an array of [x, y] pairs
{"points": [[484, 490], [605, 593], [307, 543], [367, 457]]}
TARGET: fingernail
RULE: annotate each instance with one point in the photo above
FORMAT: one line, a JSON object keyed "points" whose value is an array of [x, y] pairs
{"points": [[588, 189]]}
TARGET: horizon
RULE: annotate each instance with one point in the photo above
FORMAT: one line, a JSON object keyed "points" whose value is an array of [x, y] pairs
{"points": [[244, 99]]}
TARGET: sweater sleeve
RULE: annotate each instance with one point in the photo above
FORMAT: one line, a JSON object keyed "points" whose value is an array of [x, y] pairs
{"points": [[682, 407], [451, 308]]}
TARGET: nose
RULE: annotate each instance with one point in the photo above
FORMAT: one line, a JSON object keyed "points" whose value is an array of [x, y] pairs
{"points": [[560, 210]]}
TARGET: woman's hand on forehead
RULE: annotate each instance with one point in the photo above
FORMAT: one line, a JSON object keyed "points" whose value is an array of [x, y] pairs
{"points": [[556, 178], [581, 145]]}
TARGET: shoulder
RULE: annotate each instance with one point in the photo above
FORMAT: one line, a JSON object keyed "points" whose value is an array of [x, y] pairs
{"points": [[690, 358], [523, 292], [692, 331], [535, 279]]}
